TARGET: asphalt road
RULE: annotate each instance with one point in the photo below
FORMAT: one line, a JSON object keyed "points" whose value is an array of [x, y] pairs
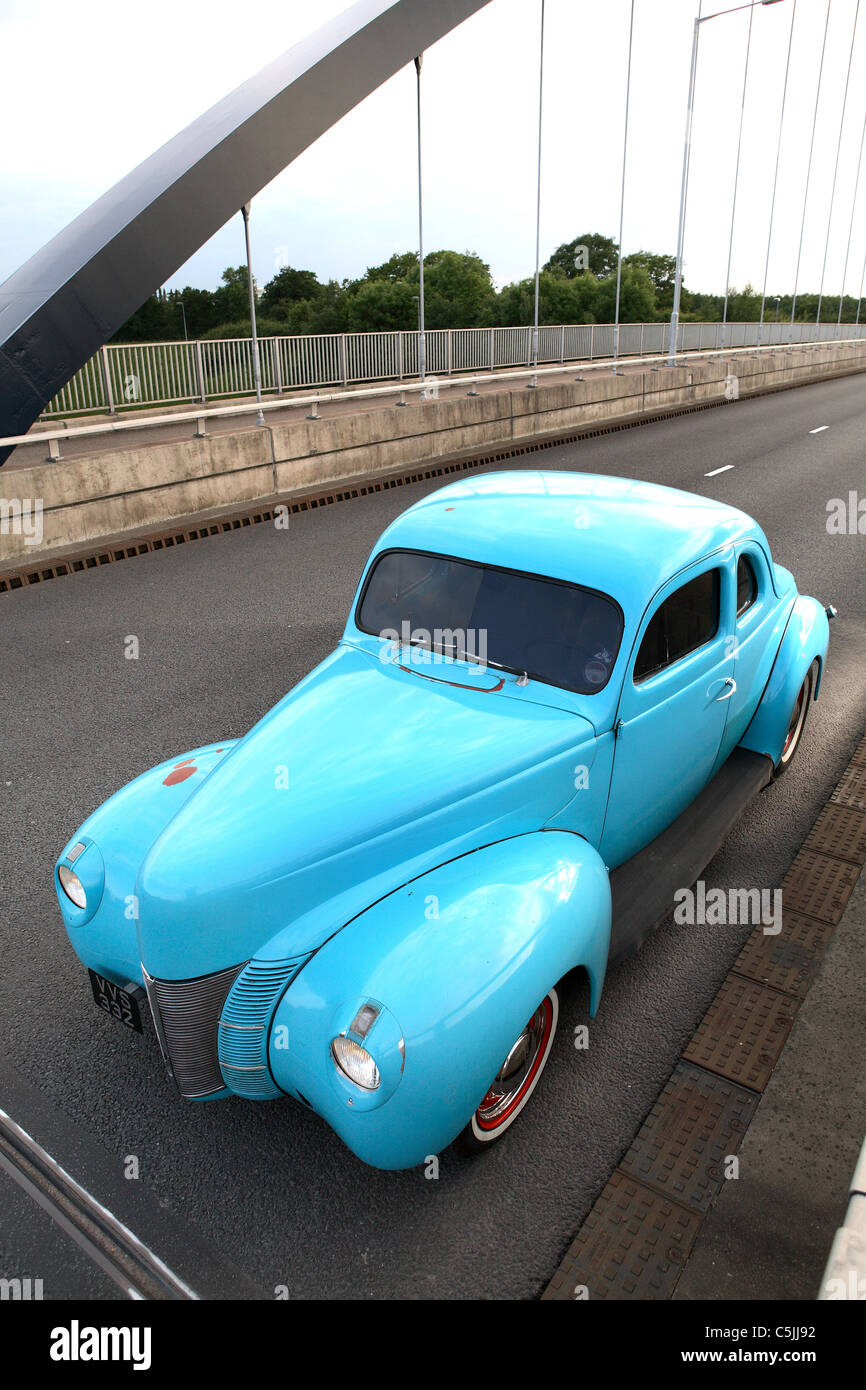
{"points": [[225, 626]]}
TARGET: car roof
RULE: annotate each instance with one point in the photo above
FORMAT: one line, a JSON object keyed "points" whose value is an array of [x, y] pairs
{"points": [[622, 536]]}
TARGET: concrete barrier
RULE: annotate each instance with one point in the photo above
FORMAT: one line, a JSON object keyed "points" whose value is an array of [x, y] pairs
{"points": [[89, 499], [845, 1275]]}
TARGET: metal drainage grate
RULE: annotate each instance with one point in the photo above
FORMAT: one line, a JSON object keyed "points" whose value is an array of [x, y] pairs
{"points": [[186, 1013], [743, 1032], [633, 1244], [245, 1023]]}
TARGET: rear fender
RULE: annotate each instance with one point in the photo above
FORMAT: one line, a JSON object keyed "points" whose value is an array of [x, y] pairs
{"points": [[805, 640], [456, 961]]}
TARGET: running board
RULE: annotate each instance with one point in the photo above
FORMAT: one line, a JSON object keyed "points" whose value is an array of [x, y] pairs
{"points": [[643, 887]]}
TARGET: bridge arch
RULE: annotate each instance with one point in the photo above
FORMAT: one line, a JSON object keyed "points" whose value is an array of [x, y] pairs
{"points": [[58, 309]]}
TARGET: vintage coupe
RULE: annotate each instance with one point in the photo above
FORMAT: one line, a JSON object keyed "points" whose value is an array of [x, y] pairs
{"points": [[554, 694]]}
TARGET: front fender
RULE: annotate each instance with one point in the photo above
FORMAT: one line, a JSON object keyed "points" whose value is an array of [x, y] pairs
{"points": [[458, 960], [117, 837], [806, 639]]}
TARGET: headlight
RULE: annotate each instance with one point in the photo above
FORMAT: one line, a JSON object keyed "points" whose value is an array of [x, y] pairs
{"points": [[355, 1062], [72, 886]]}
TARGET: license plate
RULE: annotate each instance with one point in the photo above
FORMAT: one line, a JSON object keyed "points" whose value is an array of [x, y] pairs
{"points": [[116, 1002]]}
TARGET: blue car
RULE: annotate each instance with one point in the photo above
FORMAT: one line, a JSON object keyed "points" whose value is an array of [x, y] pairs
{"points": [[554, 694]]}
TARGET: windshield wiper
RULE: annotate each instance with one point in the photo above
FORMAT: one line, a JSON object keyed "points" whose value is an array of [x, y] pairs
{"points": [[468, 656]]}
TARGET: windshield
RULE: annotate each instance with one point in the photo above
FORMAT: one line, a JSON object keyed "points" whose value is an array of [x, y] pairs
{"points": [[553, 631]]}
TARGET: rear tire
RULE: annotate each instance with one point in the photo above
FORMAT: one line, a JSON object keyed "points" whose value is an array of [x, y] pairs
{"points": [[797, 722], [514, 1084]]}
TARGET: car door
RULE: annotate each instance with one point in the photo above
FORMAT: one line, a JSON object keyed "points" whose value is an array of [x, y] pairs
{"points": [[673, 706]]}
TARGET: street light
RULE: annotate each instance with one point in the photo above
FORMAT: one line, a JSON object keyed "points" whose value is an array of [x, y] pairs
{"points": [[534, 381], [257, 371], [622, 189], [422, 343], [678, 282]]}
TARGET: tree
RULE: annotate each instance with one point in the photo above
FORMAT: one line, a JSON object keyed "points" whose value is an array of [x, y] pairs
{"points": [[661, 271], [559, 300], [381, 304], [458, 290], [591, 253], [289, 286], [637, 301], [231, 301], [403, 265], [198, 308], [744, 306]]}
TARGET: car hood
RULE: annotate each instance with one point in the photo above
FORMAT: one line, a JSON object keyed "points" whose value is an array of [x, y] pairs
{"points": [[362, 777]]}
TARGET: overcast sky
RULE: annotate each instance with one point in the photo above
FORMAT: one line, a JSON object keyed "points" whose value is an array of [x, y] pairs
{"points": [[92, 88]]}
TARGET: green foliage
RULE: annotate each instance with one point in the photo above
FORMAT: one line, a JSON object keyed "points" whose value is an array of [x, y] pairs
{"points": [[403, 265], [458, 293], [380, 304], [289, 286], [232, 299], [601, 253], [662, 273], [240, 328]]}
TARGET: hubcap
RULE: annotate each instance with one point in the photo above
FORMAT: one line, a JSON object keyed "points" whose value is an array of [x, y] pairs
{"points": [[519, 1070]]}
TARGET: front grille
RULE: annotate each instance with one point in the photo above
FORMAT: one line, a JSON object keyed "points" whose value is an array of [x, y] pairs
{"points": [[245, 1023], [186, 1013]]}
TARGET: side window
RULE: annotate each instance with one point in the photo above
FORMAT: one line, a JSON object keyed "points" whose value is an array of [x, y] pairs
{"points": [[747, 584], [684, 622]]}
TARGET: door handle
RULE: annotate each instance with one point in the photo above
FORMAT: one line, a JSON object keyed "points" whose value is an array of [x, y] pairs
{"points": [[732, 689]]}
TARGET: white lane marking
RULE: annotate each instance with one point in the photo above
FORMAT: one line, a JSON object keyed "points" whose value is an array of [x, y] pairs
{"points": [[716, 471], [819, 429]]}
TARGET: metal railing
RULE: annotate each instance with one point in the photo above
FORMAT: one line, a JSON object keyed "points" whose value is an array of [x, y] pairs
{"points": [[200, 414], [125, 376]]}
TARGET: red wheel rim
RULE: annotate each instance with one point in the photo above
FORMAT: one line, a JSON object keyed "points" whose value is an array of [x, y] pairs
{"points": [[795, 727], [508, 1091]]}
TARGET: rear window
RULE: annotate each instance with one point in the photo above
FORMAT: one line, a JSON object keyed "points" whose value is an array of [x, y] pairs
{"points": [[747, 584], [553, 631]]}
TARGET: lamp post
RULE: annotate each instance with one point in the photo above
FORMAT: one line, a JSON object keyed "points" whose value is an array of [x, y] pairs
{"points": [[681, 226], [622, 190], [538, 203], [257, 370], [422, 344]]}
